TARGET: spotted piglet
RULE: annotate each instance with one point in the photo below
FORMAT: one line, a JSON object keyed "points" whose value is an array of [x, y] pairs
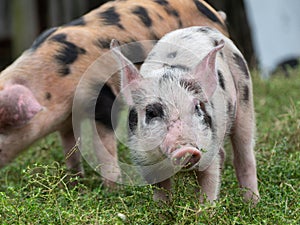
{"points": [[37, 90], [193, 89]]}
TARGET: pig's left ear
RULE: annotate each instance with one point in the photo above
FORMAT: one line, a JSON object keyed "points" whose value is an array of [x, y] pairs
{"points": [[129, 73], [205, 72]]}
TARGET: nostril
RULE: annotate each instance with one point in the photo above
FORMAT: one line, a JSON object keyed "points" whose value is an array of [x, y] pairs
{"points": [[186, 157]]}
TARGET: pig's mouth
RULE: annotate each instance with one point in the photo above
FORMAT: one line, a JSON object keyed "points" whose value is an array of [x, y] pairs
{"points": [[186, 157]]}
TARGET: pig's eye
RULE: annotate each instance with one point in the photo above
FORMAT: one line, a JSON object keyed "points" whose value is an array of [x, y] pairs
{"points": [[202, 113], [154, 111], [199, 109]]}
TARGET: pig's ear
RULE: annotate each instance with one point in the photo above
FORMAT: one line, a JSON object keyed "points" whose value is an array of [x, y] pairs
{"points": [[205, 72], [129, 73]]}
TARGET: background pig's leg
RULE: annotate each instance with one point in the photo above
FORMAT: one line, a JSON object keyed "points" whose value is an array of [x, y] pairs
{"points": [[209, 180], [162, 191], [107, 155], [243, 143], [72, 156]]}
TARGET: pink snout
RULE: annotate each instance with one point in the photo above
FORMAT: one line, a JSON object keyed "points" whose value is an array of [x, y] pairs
{"points": [[186, 157], [17, 106]]}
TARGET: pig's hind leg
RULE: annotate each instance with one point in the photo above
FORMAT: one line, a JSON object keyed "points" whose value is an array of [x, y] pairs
{"points": [[72, 153], [243, 130]]}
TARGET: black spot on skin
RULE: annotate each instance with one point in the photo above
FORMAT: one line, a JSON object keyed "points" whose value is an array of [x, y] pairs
{"points": [[48, 96], [103, 109], [221, 54], [168, 75], [215, 42], [246, 93], [177, 66], [231, 110], [132, 120], [153, 36], [180, 67], [77, 22], [242, 64], [142, 13], [187, 37], [170, 11], [172, 54], [191, 86], [111, 17], [134, 52], [203, 30], [64, 71], [153, 111], [42, 38], [204, 10], [68, 53], [162, 2], [103, 43], [221, 80], [174, 13]]}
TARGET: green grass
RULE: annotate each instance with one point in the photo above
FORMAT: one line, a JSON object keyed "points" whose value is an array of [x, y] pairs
{"points": [[34, 188]]}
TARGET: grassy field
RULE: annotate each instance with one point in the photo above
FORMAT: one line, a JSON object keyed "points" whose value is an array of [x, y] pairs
{"points": [[34, 190]]}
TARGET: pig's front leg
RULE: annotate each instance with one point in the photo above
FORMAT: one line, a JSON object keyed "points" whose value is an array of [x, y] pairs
{"points": [[162, 191], [209, 180]]}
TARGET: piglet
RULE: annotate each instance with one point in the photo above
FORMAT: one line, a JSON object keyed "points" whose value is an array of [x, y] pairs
{"points": [[192, 91]]}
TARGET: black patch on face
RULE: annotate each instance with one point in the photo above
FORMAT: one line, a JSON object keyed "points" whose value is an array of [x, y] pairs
{"points": [[42, 38], [221, 80], [103, 43], [242, 64], [111, 17], [168, 75], [207, 117], [103, 109], [153, 111], [246, 93], [142, 13], [68, 53], [48, 96], [209, 14], [172, 55], [191, 86], [134, 52], [132, 120], [78, 22]]}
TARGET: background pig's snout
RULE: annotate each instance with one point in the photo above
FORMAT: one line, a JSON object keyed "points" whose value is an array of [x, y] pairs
{"points": [[185, 157]]}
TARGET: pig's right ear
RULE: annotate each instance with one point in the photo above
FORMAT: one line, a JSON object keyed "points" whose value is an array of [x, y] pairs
{"points": [[129, 73]]}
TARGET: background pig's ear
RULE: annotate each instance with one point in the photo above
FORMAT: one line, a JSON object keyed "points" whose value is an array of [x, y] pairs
{"points": [[129, 72], [205, 72]]}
